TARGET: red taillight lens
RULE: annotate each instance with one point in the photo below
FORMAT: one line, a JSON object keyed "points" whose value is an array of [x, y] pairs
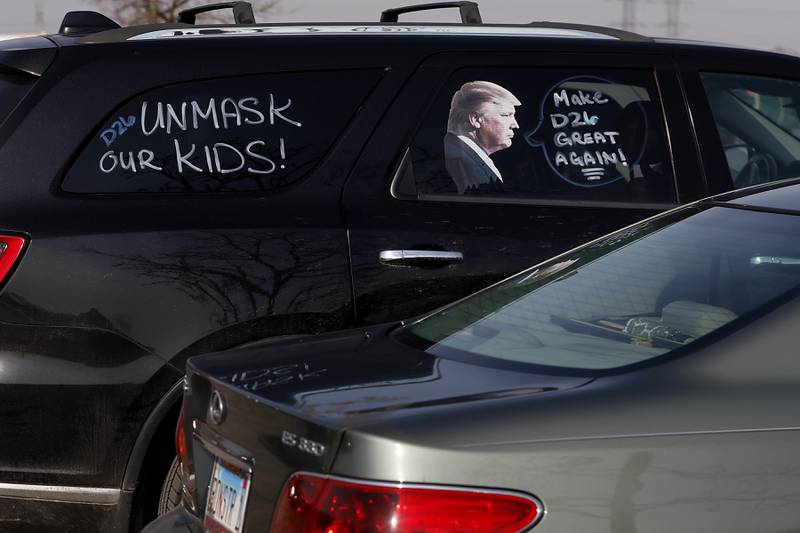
{"points": [[10, 250], [314, 504], [182, 451]]}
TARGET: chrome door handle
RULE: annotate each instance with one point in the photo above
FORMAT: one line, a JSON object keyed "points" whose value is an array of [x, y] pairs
{"points": [[409, 257], [774, 260]]}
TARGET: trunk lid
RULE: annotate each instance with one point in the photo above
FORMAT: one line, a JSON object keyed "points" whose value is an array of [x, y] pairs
{"points": [[289, 402]]}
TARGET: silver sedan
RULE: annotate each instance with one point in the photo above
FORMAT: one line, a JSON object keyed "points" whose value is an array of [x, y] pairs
{"points": [[648, 381]]}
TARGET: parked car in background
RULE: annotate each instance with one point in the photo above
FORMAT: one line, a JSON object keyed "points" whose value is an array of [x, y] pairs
{"points": [[645, 381], [176, 189]]}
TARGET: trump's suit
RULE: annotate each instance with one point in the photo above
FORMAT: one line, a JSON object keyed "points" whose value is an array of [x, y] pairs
{"points": [[470, 173]]}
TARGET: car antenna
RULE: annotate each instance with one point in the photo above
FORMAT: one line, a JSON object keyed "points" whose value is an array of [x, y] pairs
{"points": [[469, 11], [84, 22], [242, 12]]}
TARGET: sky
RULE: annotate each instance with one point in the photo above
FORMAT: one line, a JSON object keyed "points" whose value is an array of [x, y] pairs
{"points": [[767, 24]]}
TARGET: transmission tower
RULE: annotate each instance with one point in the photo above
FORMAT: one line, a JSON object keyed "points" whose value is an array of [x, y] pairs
{"points": [[38, 10], [628, 15], [673, 17]]}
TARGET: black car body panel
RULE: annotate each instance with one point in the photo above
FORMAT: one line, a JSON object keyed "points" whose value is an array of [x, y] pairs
{"points": [[362, 376], [116, 288]]}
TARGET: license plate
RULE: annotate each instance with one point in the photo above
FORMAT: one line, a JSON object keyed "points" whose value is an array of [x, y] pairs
{"points": [[227, 498]]}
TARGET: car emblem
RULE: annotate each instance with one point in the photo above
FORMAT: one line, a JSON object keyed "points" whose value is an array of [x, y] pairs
{"points": [[216, 408]]}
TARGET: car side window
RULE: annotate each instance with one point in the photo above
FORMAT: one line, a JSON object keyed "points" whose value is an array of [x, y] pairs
{"points": [[255, 133], [545, 134], [759, 125]]}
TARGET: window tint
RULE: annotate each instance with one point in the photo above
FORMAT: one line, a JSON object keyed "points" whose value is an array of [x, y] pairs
{"points": [[546, 134], [236, 134], [758, 124], [633, 296]]}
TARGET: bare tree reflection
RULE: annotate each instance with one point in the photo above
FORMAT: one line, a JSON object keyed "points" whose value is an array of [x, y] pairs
{"points": [[245, 275]]}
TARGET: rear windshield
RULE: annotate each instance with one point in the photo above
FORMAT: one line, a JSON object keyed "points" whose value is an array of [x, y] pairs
{"points": [[634, 296], [237, 134]]}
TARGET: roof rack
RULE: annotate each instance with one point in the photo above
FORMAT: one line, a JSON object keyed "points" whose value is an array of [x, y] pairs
{"points": [[469, 11], [82, 22], [611, 32], [242, 12]]}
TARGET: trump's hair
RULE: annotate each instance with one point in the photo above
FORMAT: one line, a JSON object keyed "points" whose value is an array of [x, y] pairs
{"points": [[469, 98]]}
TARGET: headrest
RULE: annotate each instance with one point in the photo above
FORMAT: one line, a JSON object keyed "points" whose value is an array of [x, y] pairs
{"points": [[694, 318]]}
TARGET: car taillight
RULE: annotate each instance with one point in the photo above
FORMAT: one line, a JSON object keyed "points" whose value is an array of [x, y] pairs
{"points": [[182, 450], [316, 504], [10, 250]]}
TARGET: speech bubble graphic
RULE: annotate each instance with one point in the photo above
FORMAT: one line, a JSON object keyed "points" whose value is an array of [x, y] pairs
{"points": [[580, 131]]}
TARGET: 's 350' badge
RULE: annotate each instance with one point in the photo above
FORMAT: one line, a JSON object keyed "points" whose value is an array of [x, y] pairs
{"points": [[303, 444]]}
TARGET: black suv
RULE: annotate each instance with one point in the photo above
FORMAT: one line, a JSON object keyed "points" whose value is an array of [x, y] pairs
{"points": [[176, 189]]}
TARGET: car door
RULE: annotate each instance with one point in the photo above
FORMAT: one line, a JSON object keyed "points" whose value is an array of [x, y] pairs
{"points": [[589, 150]]}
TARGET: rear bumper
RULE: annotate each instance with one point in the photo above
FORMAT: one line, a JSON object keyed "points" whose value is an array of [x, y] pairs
{"points": [[179, 520]]}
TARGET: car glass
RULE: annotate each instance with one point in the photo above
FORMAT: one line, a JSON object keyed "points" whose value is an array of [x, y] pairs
{"points": [[759, 125], [545, 134], [630, 297], [235, 134]]}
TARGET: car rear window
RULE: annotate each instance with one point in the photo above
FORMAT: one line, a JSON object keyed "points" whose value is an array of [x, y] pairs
{"points": [[631, 297], [254, 133]]}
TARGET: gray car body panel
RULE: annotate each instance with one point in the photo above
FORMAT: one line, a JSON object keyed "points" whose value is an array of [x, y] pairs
{"points": [[707, 442]]}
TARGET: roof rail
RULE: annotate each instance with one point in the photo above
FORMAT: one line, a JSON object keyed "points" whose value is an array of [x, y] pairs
{"points": [[82, 22], [242, 12], [469, 11], [611, 32]]}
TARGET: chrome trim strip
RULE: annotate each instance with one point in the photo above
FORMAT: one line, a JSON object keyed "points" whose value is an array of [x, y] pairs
{"points": [[773, 260], [400, 256], [532, 201], [340, 29], [399, 174], [60, 493], [667, 434]]}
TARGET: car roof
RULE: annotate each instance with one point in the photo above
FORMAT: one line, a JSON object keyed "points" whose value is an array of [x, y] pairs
{"points": [[532, 34], [511, 34], [181, 31], [88, 27], [85, 27], [354, 28], [77, 23], [780, 197], [85, 23]]}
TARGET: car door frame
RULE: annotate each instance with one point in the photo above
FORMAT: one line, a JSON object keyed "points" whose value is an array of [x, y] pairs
{"points": [[682, 148], [381, 163]]}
